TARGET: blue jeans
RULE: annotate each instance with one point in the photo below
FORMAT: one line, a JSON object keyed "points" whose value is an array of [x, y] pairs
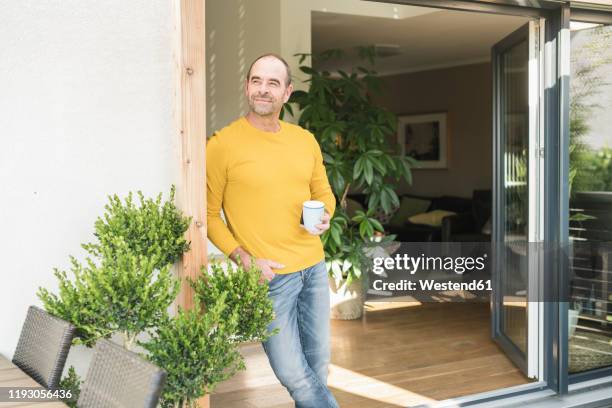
{"points": [[299, 354]]}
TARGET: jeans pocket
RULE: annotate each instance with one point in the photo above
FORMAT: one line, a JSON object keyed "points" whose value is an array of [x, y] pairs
{"points": [[274, 282], [276, 275]]}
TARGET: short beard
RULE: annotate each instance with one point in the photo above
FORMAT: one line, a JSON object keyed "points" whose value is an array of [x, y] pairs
{"points": [[261, 110]]}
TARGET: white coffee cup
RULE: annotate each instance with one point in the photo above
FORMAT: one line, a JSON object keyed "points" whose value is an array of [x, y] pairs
{"points": [[312, 212]]}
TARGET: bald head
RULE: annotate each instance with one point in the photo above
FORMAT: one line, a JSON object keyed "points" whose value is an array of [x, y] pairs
{"points": [[272, 56]]}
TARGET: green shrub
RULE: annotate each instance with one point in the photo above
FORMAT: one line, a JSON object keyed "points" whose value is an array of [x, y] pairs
{"points": [[147, 229], [125, 285], [77, 303], [71, 383], [245, 295], [594, 170], [197, 351], [124, 293]]}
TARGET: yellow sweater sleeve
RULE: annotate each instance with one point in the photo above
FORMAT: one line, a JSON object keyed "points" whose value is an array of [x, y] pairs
{"points": [[319, 185], [216, 178]]}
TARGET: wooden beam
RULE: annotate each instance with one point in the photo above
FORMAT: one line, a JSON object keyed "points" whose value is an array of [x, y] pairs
{"points": [[190, 125], [190, 119]]}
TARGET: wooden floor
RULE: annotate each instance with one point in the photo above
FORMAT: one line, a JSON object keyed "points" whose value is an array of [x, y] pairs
{"points": [[393, 357]]}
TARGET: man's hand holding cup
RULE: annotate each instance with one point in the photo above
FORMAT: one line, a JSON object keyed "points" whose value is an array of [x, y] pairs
{"points": [[316, 219]]}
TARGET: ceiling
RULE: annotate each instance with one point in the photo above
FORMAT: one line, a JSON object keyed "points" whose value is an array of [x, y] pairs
{"points": [[424, 38]]}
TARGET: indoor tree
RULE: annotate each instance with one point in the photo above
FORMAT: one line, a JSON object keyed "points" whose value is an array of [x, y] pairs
{"points": [[354, 135]]}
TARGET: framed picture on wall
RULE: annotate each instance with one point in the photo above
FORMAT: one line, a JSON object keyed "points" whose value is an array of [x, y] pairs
{"points": [[424, 138]]}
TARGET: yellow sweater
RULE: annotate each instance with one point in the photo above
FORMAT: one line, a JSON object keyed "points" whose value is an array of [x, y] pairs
{"points": [[261, 180]]}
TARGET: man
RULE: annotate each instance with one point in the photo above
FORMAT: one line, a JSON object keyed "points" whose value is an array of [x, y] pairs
{"points": [[260, 170]]}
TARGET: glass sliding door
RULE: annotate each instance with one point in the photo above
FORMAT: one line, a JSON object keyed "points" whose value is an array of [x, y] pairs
{"points": [[590, 198], [516, 193]]}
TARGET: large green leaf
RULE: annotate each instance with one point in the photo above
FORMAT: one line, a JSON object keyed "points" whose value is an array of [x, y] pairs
{"points": [[373, 200], [358, 168], [286, 107], [328, 159], [335, 232], [385, 201], [368, 171], [377, 225], [338, 181], [308, 70], [378, 164], [337, 269]]}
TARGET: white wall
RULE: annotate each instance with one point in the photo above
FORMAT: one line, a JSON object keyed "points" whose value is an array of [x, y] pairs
{"points": [[237, 32], [85, 110]]}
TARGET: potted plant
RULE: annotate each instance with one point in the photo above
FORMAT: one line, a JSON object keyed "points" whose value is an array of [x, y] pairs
{"points": [[244, 294], [151, 228], [126, 284], [197, 352], [199, 348], [354, 136], [123, 293]]}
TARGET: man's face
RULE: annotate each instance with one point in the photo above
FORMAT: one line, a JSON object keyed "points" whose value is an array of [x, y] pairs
{"points": [[266, 89]]}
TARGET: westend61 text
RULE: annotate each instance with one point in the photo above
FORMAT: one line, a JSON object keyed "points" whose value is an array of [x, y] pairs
{"points": [[430, 284]]}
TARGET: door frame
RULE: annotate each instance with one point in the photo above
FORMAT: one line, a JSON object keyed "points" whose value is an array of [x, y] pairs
{"points": [[516, 355]]}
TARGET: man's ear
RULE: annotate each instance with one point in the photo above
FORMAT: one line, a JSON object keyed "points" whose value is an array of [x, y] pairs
{"points": [[288, 92]]}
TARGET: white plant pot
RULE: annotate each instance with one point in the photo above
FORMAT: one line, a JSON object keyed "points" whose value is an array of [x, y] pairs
{"points": [[572, 322], [346, 303]]}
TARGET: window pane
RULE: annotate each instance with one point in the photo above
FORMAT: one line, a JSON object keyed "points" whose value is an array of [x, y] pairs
{"points": [[515, 125], [590, 316]]}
